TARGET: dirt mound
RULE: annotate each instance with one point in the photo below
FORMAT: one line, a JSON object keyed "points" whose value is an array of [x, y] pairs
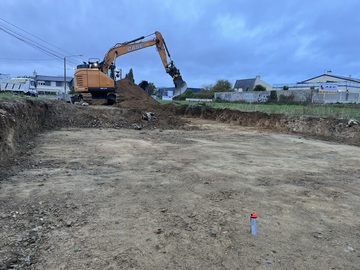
{"points": [[132, 96]]}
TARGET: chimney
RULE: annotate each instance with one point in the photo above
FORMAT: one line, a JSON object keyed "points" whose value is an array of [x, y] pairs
{"points": [[329, 72]]}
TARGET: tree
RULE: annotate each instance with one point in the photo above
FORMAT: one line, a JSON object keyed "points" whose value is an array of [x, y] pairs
{"points": [[208, 87], [144, 84], [259, 87], [151, 88], [130, 75], [148, 87], [222, 86]]}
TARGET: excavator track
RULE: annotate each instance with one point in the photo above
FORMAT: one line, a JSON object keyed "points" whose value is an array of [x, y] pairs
{"points": [[112, 99], [86, 97]]}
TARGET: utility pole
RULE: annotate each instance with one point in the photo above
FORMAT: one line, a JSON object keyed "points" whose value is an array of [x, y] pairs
{"points": [[65, 79]]}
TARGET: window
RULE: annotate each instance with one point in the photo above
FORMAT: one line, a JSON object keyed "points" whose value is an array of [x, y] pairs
{"points": [[59, 84], [47, 83]]}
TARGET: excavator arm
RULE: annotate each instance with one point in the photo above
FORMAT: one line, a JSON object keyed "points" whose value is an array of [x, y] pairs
{"points": [[138, 44]]}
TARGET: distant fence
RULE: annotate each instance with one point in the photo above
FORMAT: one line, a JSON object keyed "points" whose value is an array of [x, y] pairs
{"points": [[199, 100], [291, 95], [340, 97], [52, 96]]}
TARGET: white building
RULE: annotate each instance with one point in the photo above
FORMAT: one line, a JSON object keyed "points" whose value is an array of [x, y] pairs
{"points": [[326, 82], [330, 82], [52, 86], [167, 93]]}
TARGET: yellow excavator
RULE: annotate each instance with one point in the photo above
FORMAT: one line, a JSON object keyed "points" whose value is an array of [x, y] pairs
{"points": [[99, 78]]}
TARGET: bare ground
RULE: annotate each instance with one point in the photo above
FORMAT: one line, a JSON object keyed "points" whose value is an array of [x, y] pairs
{"points": [[91, 192]]}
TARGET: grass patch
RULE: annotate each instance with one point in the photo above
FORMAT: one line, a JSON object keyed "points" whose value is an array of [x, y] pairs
{"points": [[10, 96]]}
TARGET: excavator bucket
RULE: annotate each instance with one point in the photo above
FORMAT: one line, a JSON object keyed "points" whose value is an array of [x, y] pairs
{"points": [[180, 86]]}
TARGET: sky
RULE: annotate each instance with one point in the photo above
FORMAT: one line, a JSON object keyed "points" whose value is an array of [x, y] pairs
{"points": [[282, 41]]}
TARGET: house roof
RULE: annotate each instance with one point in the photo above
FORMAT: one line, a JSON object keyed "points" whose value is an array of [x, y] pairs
{"points": [[334, 76], [245, 84], [52, 78]]}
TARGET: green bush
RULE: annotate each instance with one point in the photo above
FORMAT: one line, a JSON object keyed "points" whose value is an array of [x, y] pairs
{"points": [[259, 87], [187, 94], [205, 94]]}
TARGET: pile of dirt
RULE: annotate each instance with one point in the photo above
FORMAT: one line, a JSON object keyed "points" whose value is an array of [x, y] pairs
{"points": [[132, 96], [132, 107]]}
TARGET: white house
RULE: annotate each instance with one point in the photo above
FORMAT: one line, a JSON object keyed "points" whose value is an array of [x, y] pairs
{"points": [[167, 93], [52, 86]]}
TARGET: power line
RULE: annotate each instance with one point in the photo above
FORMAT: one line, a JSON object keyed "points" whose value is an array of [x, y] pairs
{"points": [[33, 59], [34, 36], [30, 42], [36, 59], [28, 59], [34, 44]]}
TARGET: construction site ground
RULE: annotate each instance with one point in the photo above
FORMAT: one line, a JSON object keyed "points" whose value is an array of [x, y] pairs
{"points": [[102, 187]]}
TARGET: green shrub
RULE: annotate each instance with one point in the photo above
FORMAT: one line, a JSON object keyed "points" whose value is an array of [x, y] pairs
{"points": [[259, 87]]}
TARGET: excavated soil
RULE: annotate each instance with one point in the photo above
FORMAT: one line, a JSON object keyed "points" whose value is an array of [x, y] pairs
{"points": [[108, 187]]}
